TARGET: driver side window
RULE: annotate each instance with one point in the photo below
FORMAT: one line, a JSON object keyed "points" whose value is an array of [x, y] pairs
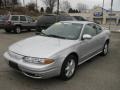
{"points": [[89, 30]]}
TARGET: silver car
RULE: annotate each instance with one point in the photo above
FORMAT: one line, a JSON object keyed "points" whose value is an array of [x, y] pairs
{"points": [[58, 50]]}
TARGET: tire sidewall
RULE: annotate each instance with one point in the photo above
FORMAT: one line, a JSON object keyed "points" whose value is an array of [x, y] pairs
{"points": [[8, 30], [103, 52], [17, 30], [63, 73]]}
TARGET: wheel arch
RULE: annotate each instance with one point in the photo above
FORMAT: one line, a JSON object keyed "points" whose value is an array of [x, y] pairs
{"points": [[18, 25], [107, 41], [75, 54]]}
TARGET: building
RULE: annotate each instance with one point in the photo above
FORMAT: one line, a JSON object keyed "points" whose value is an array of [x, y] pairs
{"points": [[100, 15], [104, 16]]}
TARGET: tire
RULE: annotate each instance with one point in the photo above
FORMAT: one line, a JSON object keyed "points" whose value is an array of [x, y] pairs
{"points": [[105, 49], [17, 30], [29, 30], [8, 30], [68, 68]]}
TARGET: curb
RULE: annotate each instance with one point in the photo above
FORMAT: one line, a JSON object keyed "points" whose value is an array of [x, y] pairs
{"points": [[115, 31]]}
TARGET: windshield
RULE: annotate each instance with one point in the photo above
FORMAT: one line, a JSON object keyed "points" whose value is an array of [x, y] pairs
{"points": [[47, 19], [64, 30]]}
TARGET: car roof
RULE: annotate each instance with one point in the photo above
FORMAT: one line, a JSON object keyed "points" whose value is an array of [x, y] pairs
{"points": [[77, 22], [17, 15], [56, 15]]}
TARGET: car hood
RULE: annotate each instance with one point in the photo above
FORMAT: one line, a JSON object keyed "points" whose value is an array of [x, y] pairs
{"points": [[40, 46]]}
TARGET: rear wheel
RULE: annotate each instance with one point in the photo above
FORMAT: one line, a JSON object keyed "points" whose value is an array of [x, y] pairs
{"points": [[68, 68], [105, 49], [29, 30], [17, 30]]}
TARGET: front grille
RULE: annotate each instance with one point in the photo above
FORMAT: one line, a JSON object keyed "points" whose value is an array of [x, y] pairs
{"points": [[14, 66]]}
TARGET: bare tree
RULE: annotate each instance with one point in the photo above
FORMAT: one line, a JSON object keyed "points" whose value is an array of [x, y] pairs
{"points": [[65, 5], [9, 3], [23, 2], [81, 7], [1, 3], [31, 6], [50, 3], [14, 2]]}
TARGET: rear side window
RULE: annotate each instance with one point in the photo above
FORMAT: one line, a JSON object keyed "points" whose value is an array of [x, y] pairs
{"points": [[79, 18], [98, 29], [14, 18], [22, 18], [89, 30], [68, 18], [29, 18], [65, 18]]}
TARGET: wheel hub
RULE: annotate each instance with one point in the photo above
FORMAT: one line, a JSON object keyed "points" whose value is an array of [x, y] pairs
{"points": [[70, 68]]}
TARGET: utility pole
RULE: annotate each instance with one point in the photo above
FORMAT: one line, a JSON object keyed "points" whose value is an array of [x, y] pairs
{"points": [[36, 5], [23, 2], [103, 11], [58, 4], [111, 14]]}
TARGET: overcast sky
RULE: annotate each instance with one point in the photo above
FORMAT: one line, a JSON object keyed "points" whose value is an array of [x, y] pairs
{"points": [[89, 3]]}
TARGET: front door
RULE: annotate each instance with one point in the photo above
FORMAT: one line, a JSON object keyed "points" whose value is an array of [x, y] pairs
{"points": [[88, 47]]}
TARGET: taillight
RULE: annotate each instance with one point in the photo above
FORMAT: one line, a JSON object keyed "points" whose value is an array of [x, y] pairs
{"points": [[8, 22]]}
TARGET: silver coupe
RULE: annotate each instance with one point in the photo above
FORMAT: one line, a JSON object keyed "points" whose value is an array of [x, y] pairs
{"points": [[58, 50]]}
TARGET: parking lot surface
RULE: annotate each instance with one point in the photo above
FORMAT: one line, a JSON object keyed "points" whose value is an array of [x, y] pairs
{"points": [[99, 73]]}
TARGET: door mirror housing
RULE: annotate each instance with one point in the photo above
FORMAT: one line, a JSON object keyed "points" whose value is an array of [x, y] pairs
{"points": [[86, 37]]}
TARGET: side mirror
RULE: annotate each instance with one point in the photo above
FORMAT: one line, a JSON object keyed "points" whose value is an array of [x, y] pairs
{"points": [[86, 37]]}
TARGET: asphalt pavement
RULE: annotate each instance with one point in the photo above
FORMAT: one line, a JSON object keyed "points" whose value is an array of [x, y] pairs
{"points": [[99, 73]]}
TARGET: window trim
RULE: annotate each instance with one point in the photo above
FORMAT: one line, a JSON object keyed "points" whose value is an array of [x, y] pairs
{"points": [[101, 29], [83, 30], [28, 19], [96, 29], [25, 18], [15, 16]]}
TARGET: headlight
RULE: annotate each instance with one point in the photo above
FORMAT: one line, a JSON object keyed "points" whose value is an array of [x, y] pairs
{"points": [[15, 55], [38, 60]]}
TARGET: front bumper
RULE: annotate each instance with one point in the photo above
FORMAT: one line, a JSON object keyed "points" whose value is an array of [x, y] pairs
{"points": [[32, 70], [10, 27], [2, 26]]}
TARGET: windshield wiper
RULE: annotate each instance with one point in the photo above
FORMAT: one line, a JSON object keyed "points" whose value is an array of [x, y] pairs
{"points": [[55, 36]]}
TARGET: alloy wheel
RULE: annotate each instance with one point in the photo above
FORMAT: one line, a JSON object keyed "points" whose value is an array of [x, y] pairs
{"points": [[70, 68]]}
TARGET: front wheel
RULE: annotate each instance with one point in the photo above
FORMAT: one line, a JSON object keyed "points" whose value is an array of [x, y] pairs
{"points": [[68, 68], [17, 30], [105, 49], [8, 30]]}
